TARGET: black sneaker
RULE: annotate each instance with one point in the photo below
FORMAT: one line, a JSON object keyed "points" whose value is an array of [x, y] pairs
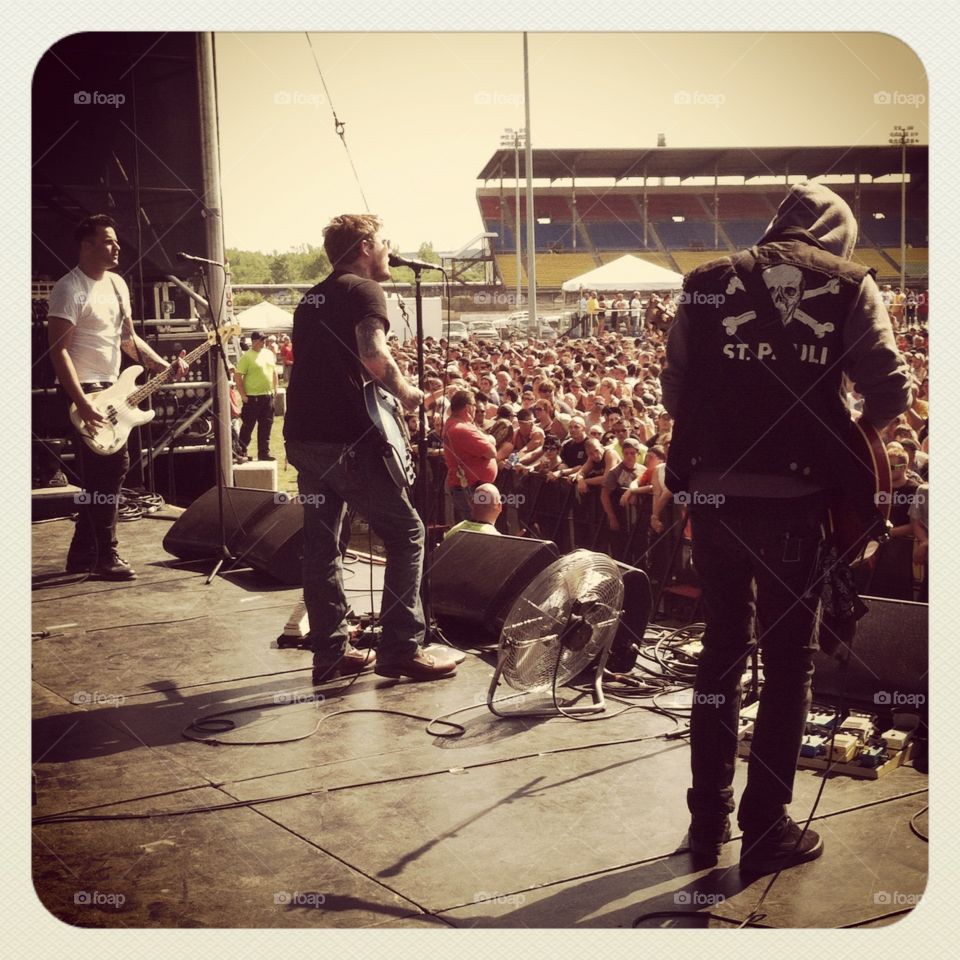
{"points": [[783, 845], [114, 567], [706, 838]]}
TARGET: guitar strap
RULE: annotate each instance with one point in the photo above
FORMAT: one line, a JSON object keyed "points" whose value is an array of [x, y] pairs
{"points": [[123, 319]]}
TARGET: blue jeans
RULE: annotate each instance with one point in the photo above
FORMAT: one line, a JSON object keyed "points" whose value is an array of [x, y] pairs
{"points": [[755, 558], [95, 536], [330, 476], [462, 502]]}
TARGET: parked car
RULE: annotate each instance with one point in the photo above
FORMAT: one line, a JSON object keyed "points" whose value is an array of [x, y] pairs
{"points": [[548, 327], [456, 332], [484, 331]]}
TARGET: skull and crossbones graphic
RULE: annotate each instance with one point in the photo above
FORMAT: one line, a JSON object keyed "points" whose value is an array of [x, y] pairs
{"points": [[785, 283]]}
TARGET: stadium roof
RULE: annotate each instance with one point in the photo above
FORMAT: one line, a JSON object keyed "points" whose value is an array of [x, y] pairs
{"points": [[875, 161]]}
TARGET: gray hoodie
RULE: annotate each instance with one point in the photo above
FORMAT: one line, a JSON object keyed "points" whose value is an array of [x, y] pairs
{"points": [[818, 211]]}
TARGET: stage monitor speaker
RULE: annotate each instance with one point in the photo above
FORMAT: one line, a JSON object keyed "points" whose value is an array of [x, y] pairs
{"points": [[475, 577], [196, 534], [888, 667], [274, 544], [637, 602], [181, 476]]}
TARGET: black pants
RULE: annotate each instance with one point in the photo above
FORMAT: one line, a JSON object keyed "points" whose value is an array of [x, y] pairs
{"points": [[101, 478], [257, 411], [755, 558]]}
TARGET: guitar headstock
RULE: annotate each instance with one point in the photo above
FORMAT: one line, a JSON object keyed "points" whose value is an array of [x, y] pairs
{"points": [[225, 332], [230, 330]]}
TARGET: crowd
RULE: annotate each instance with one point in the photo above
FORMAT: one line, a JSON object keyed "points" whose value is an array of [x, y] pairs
{"points": [[574, 435], [597, 314]]}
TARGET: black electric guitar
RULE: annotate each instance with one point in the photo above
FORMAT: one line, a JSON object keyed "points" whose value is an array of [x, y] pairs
{"points": [[385, 412]]}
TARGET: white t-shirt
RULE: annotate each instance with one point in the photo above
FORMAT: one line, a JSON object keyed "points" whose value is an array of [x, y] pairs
{"points": [[91, 306]]}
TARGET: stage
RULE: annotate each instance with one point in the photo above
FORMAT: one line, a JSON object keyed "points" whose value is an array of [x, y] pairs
{"points": [[370, 821]]}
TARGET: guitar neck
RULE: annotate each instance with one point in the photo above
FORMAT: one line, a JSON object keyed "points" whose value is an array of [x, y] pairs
{"points": [[141, 393]]}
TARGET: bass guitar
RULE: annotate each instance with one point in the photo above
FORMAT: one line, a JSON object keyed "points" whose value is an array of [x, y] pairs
{"points": [[119, 404]]}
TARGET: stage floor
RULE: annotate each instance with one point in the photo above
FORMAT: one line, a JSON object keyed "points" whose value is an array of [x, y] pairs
{"points": [[366, 820]]}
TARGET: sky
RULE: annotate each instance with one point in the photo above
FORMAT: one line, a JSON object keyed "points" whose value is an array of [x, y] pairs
{"points": [[424, 111]]}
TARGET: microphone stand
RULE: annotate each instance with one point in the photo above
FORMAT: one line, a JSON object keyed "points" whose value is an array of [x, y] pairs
{"points": [[423, 466], [217, 369]]}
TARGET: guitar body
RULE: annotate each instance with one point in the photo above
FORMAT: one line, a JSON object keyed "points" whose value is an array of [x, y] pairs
{"points": [[860, 512], [120, 417], [387, 416], [119, 405]]}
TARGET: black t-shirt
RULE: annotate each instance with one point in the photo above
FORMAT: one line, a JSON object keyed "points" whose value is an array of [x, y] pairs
{"points": [[325, 394], [573, 452]]}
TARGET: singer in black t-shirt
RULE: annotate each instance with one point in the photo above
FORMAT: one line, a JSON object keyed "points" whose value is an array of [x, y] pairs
{"points": [[339, 340]]}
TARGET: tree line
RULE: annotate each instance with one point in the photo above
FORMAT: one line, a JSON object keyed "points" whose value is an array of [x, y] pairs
{"points": [[306, 264]]}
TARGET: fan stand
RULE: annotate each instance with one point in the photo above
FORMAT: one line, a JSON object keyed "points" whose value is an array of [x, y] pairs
{"points": [[597, 706]]}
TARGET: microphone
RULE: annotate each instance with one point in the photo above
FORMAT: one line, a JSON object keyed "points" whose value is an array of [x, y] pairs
{"points": [[395, 260], [189, 256]]}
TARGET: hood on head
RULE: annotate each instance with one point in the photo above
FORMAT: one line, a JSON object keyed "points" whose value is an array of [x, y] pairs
{"points": [[821, 213]]}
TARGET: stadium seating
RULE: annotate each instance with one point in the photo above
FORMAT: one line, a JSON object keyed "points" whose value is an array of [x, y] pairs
{"points": [[687, 234], [873, 259], [612, 225], [489, 208], [881, 233], [917, 262], [652, 256], [555, 234], [687, 260], [738, 206], [616, 235], [507, 268], [606, 207], [553, 269], [665, 206], [744, 233]]}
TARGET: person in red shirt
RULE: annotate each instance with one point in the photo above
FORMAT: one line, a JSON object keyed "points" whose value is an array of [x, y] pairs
{"points": [[470, 454], [286, 357]]}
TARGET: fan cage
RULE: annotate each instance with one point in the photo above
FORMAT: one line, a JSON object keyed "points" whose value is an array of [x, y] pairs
{"points": [[585, 588]]}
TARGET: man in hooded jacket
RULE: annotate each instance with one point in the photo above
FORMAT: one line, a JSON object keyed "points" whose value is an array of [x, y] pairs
{"points": [[756, 361]]}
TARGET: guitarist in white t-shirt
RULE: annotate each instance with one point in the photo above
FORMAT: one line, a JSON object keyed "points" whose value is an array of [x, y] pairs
{"points": [[89, 323]]}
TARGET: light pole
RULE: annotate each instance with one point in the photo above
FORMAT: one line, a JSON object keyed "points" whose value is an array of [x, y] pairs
{"points": [[902, 136], [514, 138]]}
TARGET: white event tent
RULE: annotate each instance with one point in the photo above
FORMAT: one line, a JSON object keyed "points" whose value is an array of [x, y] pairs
{"points": [[624, 275], [265, 316]]}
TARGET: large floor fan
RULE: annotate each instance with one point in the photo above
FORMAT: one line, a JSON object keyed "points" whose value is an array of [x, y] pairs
{"points": [[565, 619]]}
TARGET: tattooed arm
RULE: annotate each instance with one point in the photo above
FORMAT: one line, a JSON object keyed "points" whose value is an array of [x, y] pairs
{"points": [[379, 363]]}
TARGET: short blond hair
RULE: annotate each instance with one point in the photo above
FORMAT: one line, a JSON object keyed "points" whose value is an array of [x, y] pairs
{"points": [[342, 236]]}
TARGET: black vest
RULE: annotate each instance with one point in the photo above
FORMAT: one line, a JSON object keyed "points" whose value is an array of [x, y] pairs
{"points": [[762, 396]]}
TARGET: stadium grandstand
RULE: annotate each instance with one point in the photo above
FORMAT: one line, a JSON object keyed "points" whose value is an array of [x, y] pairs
{"points": [[681, 207]]}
